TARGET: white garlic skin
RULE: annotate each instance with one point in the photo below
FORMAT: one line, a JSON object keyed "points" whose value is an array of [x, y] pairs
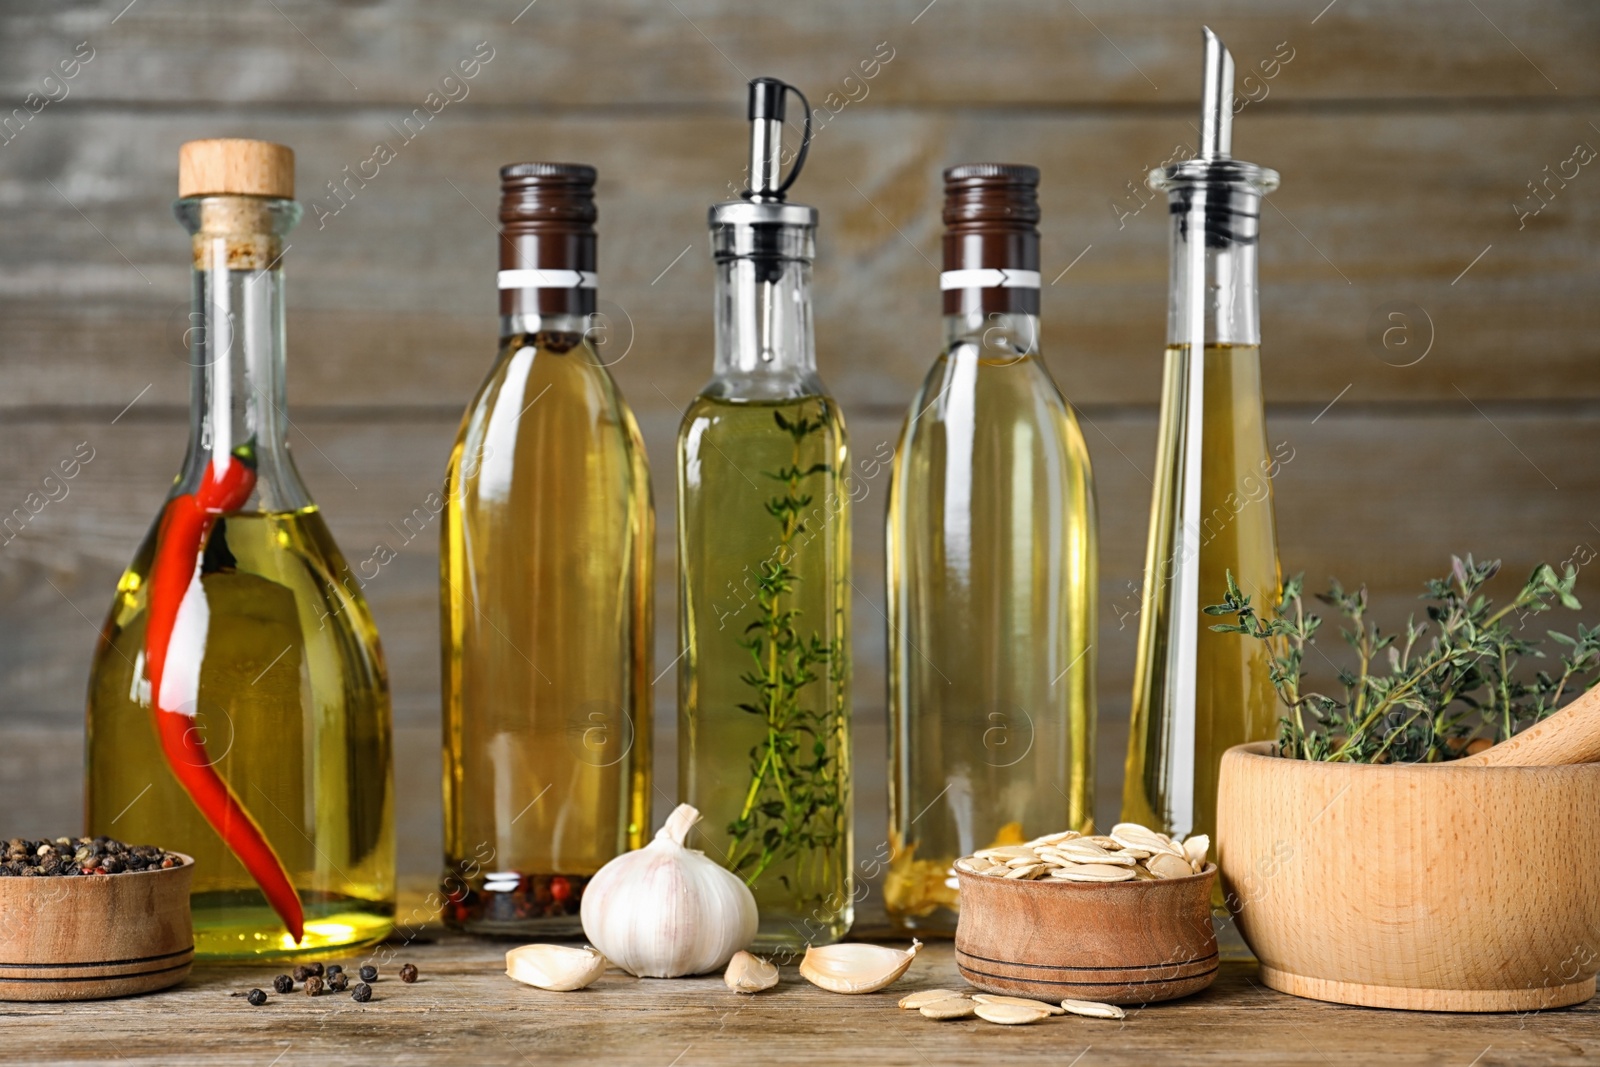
{"points": [[664, 911]]}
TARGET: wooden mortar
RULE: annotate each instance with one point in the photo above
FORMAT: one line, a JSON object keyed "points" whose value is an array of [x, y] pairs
{"points": [[95, 936], [1437, 887], [1116, 942]]}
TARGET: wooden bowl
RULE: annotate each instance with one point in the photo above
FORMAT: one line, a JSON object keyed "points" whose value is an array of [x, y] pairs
{"points": [[1434, 887], [86, 938], [1116, 942]]}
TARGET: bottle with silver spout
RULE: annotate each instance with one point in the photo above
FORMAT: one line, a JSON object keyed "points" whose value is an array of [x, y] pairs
{"points": [[764, 567], [1196, 692]]}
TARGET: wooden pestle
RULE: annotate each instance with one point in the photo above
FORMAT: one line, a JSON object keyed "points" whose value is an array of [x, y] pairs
{"points": [[1571, 735]]}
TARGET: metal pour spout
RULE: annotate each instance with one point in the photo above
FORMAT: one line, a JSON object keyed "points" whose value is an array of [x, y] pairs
{"points": [[1216, 100], [766, 138]]}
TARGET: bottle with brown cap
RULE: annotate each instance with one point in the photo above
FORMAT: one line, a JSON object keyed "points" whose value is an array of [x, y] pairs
{"points": [[238, 705], [991, 569], [545, 587], [764, 567]]}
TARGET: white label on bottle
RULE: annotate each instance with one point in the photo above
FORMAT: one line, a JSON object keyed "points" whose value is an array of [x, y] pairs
{"points": [[549, 279], [989, 278]]}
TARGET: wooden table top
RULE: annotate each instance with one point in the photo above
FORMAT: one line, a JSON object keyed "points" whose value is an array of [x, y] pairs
{"points": [[464, 1011]]}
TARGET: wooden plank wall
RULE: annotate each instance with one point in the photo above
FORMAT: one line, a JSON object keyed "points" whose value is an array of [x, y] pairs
{"points": [[1407, 136]]}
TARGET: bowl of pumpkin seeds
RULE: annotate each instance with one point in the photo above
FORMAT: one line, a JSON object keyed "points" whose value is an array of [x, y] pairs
{"points": [[1120, 918]]}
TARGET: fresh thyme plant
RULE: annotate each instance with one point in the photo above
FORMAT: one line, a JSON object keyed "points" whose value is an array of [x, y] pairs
{"points": [[794, 799], [1420, 696]]}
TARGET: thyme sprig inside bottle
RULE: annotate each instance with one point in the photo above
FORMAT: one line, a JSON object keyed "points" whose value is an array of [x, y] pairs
{"points": [[764, 555]]}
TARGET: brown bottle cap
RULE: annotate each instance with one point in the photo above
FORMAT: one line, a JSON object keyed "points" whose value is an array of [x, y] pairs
{"points": [[232, 166], [991, 240], [547, 238]]}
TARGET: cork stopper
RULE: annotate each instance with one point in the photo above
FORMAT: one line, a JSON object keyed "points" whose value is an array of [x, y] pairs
{"points": [[231, 166]]}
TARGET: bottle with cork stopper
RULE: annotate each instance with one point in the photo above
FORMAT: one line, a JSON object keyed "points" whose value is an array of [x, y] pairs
{"points": [[238, 703], [991, 570], [546, 550]]}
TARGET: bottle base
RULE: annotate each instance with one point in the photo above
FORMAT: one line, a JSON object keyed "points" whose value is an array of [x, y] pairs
{"points": [[227, 929], [782, 936], [513, 904], [940, 924]]}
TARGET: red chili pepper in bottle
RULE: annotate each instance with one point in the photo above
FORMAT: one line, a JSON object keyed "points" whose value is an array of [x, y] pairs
{"points": [[186, 524]]}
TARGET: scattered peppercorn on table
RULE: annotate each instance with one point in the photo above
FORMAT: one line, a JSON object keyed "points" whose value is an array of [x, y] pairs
{"points": [[462, 1009]]}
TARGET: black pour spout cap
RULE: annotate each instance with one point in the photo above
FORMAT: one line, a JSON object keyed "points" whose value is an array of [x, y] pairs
{"points": [[766, 99]]}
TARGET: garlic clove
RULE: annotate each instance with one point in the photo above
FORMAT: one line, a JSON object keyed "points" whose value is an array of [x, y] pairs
{"points": [[749, 974], [856, 968], [561, 968]]}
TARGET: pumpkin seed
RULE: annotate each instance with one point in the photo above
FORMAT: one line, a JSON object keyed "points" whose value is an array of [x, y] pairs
{"points": [[950, 1008], [1093, 1009], [1166, 865], [1094, 872], [912, 1001], [1009, 1014], [1033, 870], [1132, 835], [1021, 1002]]}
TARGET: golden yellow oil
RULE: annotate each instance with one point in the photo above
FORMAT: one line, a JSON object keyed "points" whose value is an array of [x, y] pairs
{"points": [[1234, 698], [293, 706], [991, 578], [756, 739], [546, 567]]}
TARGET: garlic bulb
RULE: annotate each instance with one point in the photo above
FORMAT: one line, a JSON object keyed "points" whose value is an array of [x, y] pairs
{"points": [[664, 911], [854, 968], [558, 967]]}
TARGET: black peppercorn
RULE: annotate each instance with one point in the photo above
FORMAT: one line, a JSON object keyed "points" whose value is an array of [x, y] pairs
{"points": [[256, 997], [369, 973], [408, 973], [283, 983], [361, 993], [302, 973], [314, 968], [338, 981], [313, 985], [333, 969]]}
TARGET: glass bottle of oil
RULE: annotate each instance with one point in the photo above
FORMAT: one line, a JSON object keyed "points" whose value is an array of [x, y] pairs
{"points": [[545, 567], [1196, 693], [991, 570], [277, 778], [764, 571]]}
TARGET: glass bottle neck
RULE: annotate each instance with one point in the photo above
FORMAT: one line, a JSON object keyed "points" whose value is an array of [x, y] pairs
{"points": [[764, 344], [238, 406], [524, 323], [1211, 297], [995, 337]]}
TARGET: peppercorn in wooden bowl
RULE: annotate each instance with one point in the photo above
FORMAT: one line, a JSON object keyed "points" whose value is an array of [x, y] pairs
{"points": [[91, 936]]}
